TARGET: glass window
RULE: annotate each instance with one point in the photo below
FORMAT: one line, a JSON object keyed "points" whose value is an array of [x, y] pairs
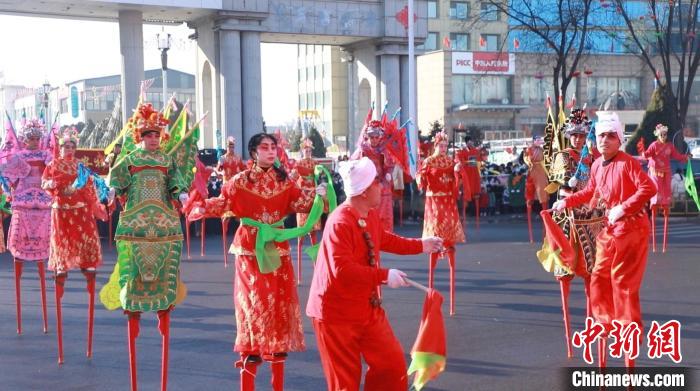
{"points": [[431, 42], [534, 89], [310, 100], [489, 12], [319, 100], [432, 9], [319, 71], [459, 10], [480, 89], [600, 88], [302, 101], [302, 50], [459, 41], [64, 105], [491, 42], [327, 98]]}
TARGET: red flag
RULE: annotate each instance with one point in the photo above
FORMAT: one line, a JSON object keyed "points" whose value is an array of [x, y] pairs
{"points": [[446, 42], [516, 43], [201, 178], [482, 41], [558, 243], [640, 146], [428, 355]]}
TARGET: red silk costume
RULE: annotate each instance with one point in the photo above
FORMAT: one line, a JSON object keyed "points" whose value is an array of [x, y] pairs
{"points": [[470, 157], [437, 178], [229, 165], [346, 313], [621, 248], [303, 175], [75, 242], [385, 166], [659, 155], [268, 319]]}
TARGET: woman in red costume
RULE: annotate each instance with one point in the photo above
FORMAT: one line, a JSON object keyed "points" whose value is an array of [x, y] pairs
{"points": [[659, 155], [303, 175], [75, 242], [438, 178], [230, 164], [268, 319], [618, 184]]}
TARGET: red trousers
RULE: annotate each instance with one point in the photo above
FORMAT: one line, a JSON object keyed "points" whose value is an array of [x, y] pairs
{"points": [[342, 347], [617, 276]]}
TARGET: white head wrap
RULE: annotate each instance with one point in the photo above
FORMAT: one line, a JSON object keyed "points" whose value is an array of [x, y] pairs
{"points": [[357, 175], [608, 121]]}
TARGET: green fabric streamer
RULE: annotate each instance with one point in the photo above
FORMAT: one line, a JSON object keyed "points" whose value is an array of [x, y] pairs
{"points": [[690, 185], [312, 251], [267, 257], [3, 205]]}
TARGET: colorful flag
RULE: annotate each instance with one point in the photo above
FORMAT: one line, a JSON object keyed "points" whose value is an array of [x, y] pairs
{"points": [[690, 185], [516, 43], [429, 352], [482, 41], [556, 249], [446, 42]]}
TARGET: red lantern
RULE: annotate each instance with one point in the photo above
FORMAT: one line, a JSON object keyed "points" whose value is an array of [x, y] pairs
{"points": [[576, 74]]}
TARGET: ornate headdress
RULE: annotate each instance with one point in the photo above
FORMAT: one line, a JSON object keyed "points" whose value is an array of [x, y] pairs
{"points": [[230, 140], [147, 119], [660, 128], [307, 144], [440, 137], [69, 134], [33, 128], [375, 128], [577, 123]]}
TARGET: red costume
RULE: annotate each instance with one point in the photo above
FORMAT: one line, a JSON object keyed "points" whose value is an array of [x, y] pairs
{"points": [[621, 248], [345, 307], [438, 179], [470, 157], [303, 174], [659, 155], [268, 319], [229, 165]]}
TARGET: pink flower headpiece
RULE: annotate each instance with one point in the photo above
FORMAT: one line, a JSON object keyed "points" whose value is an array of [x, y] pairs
{"points": [[660, 128], [440, 137], [307, 144], [69, 134], [33, 128]]}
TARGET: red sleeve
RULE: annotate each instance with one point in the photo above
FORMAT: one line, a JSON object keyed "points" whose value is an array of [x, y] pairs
{"points": [[677, 155], [47, 175], [396, 244], [343, 259], [585, 195], [301, 199], [644, 185], [651, 151]]}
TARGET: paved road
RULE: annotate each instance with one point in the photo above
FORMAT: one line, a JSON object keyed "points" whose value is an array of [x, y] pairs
{"points": [[507, 333]]}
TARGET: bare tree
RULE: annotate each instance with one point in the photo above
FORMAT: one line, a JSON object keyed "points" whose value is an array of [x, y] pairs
{"points": [[557, 28], [666, 39]]}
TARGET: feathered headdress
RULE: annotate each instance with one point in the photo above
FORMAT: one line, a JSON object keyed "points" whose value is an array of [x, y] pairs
{"points": [[230, 140], [660, 128], [69, 134], [147, 119], [307, 144], [375, 128], [440, 137], [32, 128], [577, 123]]}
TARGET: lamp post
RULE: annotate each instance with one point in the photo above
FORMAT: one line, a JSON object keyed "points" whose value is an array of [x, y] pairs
{"points": [[164, 46], [47, 91]]}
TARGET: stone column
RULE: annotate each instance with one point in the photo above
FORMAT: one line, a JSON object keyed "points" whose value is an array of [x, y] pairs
{"points": [[404, 89], [231, 98], [390, 88], [131, 49], [251, 84]]}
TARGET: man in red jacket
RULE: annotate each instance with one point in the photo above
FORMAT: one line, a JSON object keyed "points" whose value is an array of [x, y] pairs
{"points": [[345, 298], [617, 183]]}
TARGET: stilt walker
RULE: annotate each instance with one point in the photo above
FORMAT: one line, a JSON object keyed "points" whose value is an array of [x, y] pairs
{"points": [[75, 242], [618, 184], [569, 173], [469, 156], [438, 178], [461, 159], [303, 175], [149, 238], [659, 155], [28, 238], [537, 179], [268, 319]]}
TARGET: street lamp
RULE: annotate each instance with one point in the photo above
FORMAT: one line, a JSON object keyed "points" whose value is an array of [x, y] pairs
{"points": [[47, 90], [164, 46]]}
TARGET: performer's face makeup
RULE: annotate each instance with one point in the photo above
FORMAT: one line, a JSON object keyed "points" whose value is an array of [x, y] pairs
{"points": [[442, 148], [662, 136], [67, 149], [151, 141], [577, 141], [231, 147], [608, 144], [306, 152], [374, 139], [32, 142], [266, 153]]}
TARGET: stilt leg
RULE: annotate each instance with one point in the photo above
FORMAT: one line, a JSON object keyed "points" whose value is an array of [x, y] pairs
{"points": [[187, 236], [587, 290], [18, 294], [300, 243], [653, 228], [431, 267], [564, 287], [277, 365], [477, 206], [401, 213], [203, 236], [249, 368], [90, 279], [465, 204], [60, 281], [109, 229], [666, 213], [42, 285], [164, 328], [529, 220], [224, 238], [451, 260], [133, 331], [602, 352]]}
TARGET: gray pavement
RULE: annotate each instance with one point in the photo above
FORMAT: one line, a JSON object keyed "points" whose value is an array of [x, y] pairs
{"points": [[507, 334]]}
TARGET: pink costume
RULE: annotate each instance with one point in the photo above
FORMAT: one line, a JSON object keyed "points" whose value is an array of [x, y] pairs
{"points": [[28, 239], [659, 155]]}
